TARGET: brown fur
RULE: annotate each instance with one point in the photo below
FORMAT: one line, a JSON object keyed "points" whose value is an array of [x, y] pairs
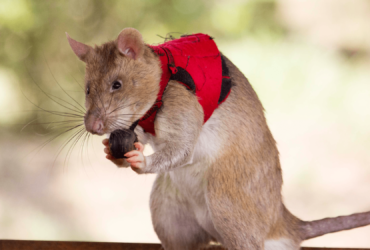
{"points": [[218, 181]]}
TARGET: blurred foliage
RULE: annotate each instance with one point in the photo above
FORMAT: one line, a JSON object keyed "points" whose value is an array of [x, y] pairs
{"points": [[34, 50]]}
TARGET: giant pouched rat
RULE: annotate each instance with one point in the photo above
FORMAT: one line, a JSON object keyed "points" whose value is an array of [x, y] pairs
{"points": [[217, 181]]}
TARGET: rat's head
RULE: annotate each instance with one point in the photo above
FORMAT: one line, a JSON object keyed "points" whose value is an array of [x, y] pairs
{"points": [[121, 82]]}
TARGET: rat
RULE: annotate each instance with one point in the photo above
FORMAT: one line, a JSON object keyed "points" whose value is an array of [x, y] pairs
{"points": [[218, 173]]}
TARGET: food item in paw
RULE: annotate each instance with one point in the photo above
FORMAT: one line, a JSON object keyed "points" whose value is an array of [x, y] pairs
{"points": [[122, 141]]}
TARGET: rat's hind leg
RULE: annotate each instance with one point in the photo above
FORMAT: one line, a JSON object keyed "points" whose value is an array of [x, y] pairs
{"points": [[173, 220], [242, 209]]}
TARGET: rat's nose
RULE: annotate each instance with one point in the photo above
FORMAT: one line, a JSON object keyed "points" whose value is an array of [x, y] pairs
{"points": [[94, 125], [98, 126]]}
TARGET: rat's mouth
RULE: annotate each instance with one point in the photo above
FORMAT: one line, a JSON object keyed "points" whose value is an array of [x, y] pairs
{"points": [[109, 130]]}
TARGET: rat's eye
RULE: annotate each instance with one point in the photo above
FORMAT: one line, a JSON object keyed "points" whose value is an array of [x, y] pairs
{"points": [[87, 90], [116, 85]]}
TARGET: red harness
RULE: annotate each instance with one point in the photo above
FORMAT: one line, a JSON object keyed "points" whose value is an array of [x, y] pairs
{"points": [[192, 60]]}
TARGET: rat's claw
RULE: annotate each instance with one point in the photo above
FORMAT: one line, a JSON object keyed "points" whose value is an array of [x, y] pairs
{"points": [[106, 150], [139, 146], [105, 142]]}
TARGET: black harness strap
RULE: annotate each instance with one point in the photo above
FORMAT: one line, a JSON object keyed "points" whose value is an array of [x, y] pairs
{"points": [[226, 81]]}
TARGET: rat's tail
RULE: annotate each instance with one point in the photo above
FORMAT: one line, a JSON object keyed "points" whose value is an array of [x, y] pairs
{"points": [[312, 229]]}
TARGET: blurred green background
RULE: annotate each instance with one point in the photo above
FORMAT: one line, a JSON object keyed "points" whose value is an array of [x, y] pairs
{"points": [[309, 62]]}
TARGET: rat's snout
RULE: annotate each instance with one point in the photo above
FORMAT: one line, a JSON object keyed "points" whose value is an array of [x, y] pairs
{"points": [[94, 124]]}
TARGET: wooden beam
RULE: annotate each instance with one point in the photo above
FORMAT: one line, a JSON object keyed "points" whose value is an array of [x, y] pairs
{"points": [[69, 245]]}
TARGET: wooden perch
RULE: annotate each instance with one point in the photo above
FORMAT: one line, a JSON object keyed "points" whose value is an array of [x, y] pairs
{"points": [[68, 245]]}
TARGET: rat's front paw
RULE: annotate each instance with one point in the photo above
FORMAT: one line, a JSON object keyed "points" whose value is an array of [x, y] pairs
{"points": [[136, 158], [109, 156]]}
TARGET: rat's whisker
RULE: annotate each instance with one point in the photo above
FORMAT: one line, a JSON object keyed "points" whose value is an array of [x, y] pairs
{"points": [[59, 126], [96, 91], [122, 116], [87, 147], [119, 124], [64, 89], [102, 103], [59, 113], [83, 89], [76, 138], [113, 123], [82, 111], [46, 94], [66, 143], [37, 149], [128, 105], [110, 101], [84, 140], [31, 123]]}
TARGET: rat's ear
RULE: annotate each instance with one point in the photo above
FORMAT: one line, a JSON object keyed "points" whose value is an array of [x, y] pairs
{"points": [[81, 50], [130, 43]]}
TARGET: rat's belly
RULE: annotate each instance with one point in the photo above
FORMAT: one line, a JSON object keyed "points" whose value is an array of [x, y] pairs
{"points": [[190, 182]]}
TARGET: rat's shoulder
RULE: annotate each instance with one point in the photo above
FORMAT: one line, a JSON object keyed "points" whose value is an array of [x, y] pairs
{"points": [[179, 102]]}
